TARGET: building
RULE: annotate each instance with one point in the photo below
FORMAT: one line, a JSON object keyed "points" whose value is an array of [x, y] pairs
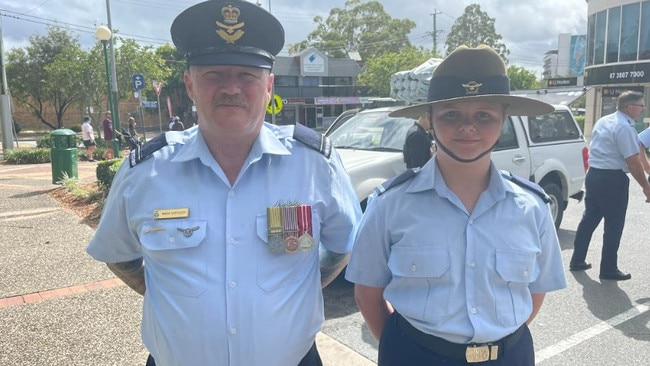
{"points": [[565, 66], [312, 88], [617, 55]]}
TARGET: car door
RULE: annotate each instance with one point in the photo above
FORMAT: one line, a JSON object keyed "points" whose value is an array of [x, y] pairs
{"points": [[511, 152]]}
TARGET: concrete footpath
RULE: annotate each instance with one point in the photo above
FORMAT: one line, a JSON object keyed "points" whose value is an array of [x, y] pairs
{"points": [[58, 306]]}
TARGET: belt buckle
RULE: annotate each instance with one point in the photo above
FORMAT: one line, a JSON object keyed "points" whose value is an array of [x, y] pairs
{"points": [[474, 354]]}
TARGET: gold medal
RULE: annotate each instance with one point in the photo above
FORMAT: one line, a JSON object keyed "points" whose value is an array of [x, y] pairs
{"points": [[290, 225], [291, 244]]}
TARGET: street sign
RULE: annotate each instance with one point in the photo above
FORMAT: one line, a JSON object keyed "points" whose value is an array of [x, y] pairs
{"points": [[277, 100], [148, 104], [157, 85], [138, 81]]}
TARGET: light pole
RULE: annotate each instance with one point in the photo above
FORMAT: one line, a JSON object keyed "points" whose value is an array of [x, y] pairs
{"points": [[104, 34]]}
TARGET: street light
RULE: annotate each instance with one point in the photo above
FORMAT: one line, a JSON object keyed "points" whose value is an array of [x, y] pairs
{"points": [[104, 35]]}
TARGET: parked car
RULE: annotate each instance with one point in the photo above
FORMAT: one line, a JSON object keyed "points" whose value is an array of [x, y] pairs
{"points": [[549, 150]]}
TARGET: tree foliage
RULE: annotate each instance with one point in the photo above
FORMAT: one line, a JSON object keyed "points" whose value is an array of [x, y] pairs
{"points": [[474, 28], [521, 79], [53, 73], [363, 27], [46, 74], [377, 71]]}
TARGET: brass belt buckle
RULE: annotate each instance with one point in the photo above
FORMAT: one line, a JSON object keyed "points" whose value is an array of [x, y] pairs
{"points": [[474, 354]]}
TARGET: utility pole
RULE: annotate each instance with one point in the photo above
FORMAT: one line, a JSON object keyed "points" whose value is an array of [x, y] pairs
{"points": [[5, 106], [434, 33]]}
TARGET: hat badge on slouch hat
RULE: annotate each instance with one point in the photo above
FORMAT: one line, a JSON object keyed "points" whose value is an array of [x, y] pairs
{"points": [[474, 75], [234, 32]]}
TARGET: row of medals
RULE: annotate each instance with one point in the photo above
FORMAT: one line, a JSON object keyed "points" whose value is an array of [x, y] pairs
{"points": [[289, 228]]}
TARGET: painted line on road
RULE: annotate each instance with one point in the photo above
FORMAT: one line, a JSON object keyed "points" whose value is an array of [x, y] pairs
{"points": [[589, 333]]}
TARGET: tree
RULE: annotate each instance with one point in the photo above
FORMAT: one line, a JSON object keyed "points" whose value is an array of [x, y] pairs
{"points": [[363, 27], [46, 74], [173, 84], [521, 79], [377, 71], [474, 28]]}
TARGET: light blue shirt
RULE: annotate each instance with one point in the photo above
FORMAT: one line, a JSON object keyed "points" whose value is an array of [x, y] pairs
{"points": [[218, 296], [644, 138], [613, 140], [459, 276]]}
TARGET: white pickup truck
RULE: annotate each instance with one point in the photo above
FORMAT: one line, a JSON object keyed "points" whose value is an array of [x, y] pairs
{"points": [[549, 150]]}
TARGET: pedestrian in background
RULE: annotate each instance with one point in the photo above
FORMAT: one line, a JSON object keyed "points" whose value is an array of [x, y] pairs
{"points": [[613, 152], [451, 262], [229, 271], [177, 125], [88, 136], [109, 133], [418, 144]]}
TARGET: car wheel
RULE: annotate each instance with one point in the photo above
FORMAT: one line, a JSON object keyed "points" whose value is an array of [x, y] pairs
{"points": [[557, 201]]}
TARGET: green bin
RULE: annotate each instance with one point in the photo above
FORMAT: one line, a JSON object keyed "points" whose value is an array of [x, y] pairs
{"points": [[63, 153]]}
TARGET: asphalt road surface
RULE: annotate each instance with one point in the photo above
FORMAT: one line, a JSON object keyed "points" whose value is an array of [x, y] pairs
{"points": [[589, 323]]}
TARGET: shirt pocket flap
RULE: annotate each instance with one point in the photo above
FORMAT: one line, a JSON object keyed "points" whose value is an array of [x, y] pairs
{"points": [[173, 234], [419, 261], [515, 266]]}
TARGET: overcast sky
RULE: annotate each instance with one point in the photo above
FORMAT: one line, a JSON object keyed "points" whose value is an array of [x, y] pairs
{"points": [[529, 28]]}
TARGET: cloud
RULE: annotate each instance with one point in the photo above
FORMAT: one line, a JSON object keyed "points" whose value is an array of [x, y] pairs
{"points": [[529, 28]]}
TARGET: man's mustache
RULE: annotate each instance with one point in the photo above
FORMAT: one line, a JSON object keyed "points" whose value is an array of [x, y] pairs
{"points": [[227, 100]]}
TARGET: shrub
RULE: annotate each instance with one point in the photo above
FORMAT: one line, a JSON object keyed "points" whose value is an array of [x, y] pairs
{"points": [[28, 156], [106, 172], [75, 128], [581, 122], [46, 141]]}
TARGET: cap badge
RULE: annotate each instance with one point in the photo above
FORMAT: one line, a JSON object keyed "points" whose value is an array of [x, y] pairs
{"points": [[230, 33], [471, 88]]}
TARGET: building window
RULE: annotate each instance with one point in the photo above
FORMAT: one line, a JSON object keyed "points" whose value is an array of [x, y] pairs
{"points": [[286, 80], [599, 37], [613, 32], [644, 42], [310, 81], [629, 32], [591, 36]]}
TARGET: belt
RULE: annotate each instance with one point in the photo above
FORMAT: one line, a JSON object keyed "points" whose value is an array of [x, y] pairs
{"points": [[471, 352]]}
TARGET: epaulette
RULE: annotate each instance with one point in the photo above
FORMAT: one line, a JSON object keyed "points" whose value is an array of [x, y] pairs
{"points": [[142, 152], [396, 180], [526, 184], [313, 139]]}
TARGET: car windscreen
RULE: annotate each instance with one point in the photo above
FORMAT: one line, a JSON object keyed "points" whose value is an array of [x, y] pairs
{"points": [[372, 131]]}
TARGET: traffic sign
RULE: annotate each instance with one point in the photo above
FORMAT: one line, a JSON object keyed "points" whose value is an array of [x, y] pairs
{"points": [[148, 104], [277, 100], [138, 81], [157, 85]]}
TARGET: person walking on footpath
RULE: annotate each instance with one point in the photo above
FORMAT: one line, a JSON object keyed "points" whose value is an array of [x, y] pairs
{"points": [[613, 152], [451, 262], [107, 125], [177, 125], [88, 136], [229, 271]]}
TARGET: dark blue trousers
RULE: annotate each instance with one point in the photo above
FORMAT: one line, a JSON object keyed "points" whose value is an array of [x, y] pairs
{"points": [[312, 358], [397, 348], [606, 196]]}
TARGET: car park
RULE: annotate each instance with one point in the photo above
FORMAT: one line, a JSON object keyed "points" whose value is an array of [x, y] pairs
{"points": [[549, 150]]}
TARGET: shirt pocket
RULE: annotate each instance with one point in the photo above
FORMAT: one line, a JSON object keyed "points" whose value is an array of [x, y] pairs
{"points": [[515, 271], [422, 274], [175, 257], [275, 271]]}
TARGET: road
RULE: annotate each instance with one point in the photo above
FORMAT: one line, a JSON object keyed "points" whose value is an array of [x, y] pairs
{"points": [[588, 323]]}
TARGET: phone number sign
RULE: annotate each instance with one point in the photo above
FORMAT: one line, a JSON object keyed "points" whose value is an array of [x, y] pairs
{"points": [[618, 74]]}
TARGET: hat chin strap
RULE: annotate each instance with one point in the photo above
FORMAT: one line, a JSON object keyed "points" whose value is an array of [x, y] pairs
{"points": [[458, 158]]}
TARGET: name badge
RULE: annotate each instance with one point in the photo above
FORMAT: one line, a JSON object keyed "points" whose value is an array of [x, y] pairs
{"points": [[171, 213]]}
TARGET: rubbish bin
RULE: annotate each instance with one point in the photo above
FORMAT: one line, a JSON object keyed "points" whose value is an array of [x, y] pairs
{"points": [[63, 153]]}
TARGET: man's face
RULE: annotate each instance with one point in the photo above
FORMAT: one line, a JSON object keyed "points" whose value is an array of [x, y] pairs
{"points": [[635, 109], [229, 98]]}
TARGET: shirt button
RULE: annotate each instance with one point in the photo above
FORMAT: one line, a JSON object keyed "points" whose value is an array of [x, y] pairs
{"points": [[414, 267], [172, 238], [470, 222], [472, 265], [474, 311], [233, 284], [231, 240], [525, 273], [231, 193], [233, 331]]}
